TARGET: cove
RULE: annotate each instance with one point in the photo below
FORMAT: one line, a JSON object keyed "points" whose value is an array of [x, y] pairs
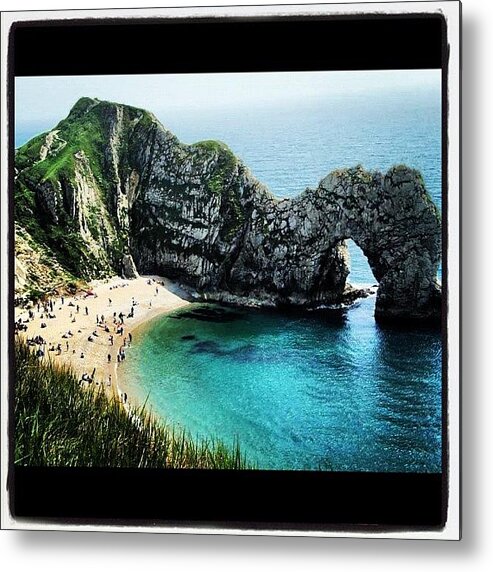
{"points": [[300, 391]]}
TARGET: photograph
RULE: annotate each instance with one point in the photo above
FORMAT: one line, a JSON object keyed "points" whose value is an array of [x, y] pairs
{"points": [[233, 268], [229, 271]]}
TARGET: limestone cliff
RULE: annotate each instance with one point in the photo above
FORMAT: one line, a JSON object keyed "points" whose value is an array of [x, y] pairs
{"points": [[110, 186]]}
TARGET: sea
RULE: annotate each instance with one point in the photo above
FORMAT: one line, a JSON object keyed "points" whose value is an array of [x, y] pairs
{"points": [[304, 391]]}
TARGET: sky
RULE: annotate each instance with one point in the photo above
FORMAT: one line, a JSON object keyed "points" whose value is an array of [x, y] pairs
{"points": [[49, 99]]}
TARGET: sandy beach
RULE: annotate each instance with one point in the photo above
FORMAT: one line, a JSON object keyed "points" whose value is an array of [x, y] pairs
{"points": [[109, 302]]}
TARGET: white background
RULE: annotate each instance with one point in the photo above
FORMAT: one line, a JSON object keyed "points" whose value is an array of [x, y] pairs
{"points": [[90, 551]]}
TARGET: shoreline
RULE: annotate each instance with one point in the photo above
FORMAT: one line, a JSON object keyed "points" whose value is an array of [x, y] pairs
{"points": [[122, 383], [137, 398], [152, 295], [149, 296]]}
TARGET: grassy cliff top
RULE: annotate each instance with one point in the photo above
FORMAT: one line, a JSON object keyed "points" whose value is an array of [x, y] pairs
{"points": [[51, 155]]}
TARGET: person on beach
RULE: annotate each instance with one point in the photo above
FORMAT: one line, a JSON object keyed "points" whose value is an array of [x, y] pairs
{"points": [[109, 380], [109, 358], [109, 301], [129, 338], [87, 311], [157, 290], [81, 355], [111, 340], [77, 308], [66, 344]]}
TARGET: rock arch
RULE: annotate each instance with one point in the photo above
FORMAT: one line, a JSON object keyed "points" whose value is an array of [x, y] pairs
{"points": [[397, 226], [390, 217], [196, 213]]}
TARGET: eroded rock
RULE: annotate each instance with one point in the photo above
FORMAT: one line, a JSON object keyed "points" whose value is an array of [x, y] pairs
{"points": [[195, 212]]}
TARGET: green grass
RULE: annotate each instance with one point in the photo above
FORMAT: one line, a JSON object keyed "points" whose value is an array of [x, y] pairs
{"points": [[225, 163], [83, 131], [60, 423], [86, 136], [29, 152]]}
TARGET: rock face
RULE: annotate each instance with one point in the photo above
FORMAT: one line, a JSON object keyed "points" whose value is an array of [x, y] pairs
{"points": [[109, 186], [128, 267]]}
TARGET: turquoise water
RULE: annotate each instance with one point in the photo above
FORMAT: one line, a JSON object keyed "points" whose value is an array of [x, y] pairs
{"points": [[299, 391], [305, 391]]}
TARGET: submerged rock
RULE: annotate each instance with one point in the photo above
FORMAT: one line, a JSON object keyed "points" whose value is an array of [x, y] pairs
{"points": [[195, 213], [208, 315]]}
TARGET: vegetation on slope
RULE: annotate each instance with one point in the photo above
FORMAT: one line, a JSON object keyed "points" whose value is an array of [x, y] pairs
{"points": [[47, 164], [60, 423], [223, 183], [37, 270], [226, 163]]}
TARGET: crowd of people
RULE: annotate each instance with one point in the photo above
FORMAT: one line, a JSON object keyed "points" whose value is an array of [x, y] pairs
{"points": [[107, 330]]}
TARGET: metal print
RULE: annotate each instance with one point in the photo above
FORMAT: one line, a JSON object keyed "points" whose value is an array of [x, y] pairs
{"points": [[233, 272]]}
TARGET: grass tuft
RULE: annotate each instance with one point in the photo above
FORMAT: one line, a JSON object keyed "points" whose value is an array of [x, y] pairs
{"points": [[60, 423]]}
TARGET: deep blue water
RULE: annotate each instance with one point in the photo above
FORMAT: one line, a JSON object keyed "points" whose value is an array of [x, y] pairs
{"points": [[305, 392]]}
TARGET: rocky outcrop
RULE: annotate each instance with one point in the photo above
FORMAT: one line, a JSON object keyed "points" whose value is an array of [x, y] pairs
{"points": [[132, 192], [129, 269]]}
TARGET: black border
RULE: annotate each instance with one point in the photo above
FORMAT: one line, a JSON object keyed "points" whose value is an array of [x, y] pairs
{"points": [[331, 501], [221, 45]]}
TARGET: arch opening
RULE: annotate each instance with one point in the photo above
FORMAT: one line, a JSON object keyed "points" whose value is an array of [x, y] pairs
{"points": [[360, 273]]}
